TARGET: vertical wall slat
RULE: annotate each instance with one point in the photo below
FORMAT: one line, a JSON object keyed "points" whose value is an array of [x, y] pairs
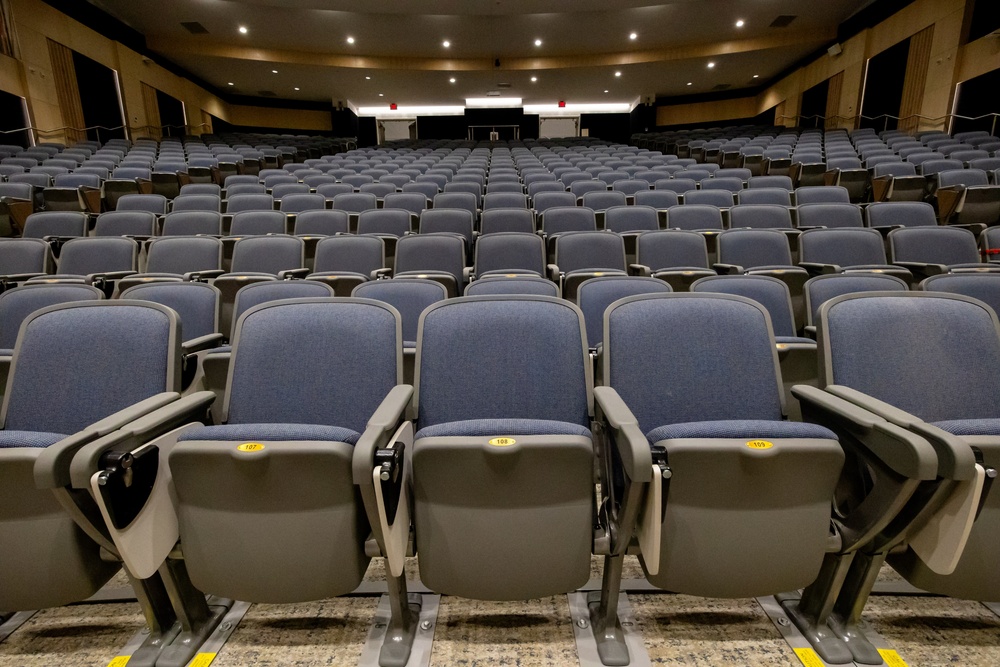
{"points": [[67, 92], [916, 78]]}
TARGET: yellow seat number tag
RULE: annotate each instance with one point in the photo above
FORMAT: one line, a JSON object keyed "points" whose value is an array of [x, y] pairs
{"points": [[759, 444], [503, 442], [250, 447]]}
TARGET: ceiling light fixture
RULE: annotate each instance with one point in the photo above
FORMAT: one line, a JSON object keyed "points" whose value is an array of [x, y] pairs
{"points": [[618, 73], [605, 91], [451, 80], [446, 43], [633, 36], [350, 40], [381, 95], [538, 42], [711, 65], [243, 30], [534, 79], [274, 71], [689, 83], [756, 76], [368, 78], [231, 83], [739, 24], [296, 88]]}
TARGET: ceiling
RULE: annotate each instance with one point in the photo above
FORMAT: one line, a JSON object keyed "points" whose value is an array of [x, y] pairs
{"points": [[398, 50]]}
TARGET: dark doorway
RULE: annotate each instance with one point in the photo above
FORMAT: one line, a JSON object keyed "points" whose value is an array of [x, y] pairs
{"points": [[884, 87], [171, 115], [12, 120], [102, 109], [978, 97], [814, 105]]}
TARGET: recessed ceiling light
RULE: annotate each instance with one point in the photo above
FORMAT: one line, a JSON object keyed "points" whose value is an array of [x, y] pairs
{"points": [[711, 65], [446, 43], [350, 40], [633, 36], [689, 83], [739, 24], [605, 91], [756, 76], [296, 88], [243, 30], [451, 80], [274, 71], [381, 95], [368, 78], [534, 78], [618, 73], [231, 83], [538, 42]]}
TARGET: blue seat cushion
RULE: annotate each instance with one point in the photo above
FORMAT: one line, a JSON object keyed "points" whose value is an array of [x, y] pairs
{"points": [[499, 427], [221, 349], [272, 432], [970, 426], [752, 429], [10, 439]]}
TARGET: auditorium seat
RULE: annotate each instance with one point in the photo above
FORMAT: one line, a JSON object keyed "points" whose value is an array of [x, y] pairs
{"points": [[585, 254], [725, 463], [822, 288], [343, 262]]}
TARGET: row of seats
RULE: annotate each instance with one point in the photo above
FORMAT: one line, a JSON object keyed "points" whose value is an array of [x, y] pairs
{"points": [[322, 458]]}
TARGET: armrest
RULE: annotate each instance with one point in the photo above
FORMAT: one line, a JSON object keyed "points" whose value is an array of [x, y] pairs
{"points": [[955, 457], [379, 274], [109, 275], [467, 274], [52, 468], [201, 276], [976, 228], [639, 270], [385, 420], [206, 342], [728, 269], [922, 269], [290, 274], [907, 454], [819, 269], [138, 432], [637, 461], [554, 273], [20, 277]]}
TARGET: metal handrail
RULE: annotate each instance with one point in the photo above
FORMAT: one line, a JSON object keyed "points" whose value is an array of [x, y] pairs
{"points": [[887, 117]]}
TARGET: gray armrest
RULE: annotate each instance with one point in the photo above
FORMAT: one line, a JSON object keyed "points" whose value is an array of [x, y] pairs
{"points": [[290, 274], [818, 269], [632, 445], [381, 273], [905, 452], [467, 274], [381, 427], [206, 342], [52, 468], [923, 269], [728, 269], [639, 270], [138, 432], [554, 273], [955, 458], [385, 420], [199, 276]]}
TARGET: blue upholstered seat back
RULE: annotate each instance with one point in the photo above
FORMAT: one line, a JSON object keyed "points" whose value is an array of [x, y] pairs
{"points": [[196, 303], [18, 303], [932, 355], [502, 357], [315, 361], [81, 363], [678, 358]]}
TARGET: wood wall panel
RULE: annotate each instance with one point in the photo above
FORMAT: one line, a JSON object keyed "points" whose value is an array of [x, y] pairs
{"points": [[67, 91], [916, 79]]}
